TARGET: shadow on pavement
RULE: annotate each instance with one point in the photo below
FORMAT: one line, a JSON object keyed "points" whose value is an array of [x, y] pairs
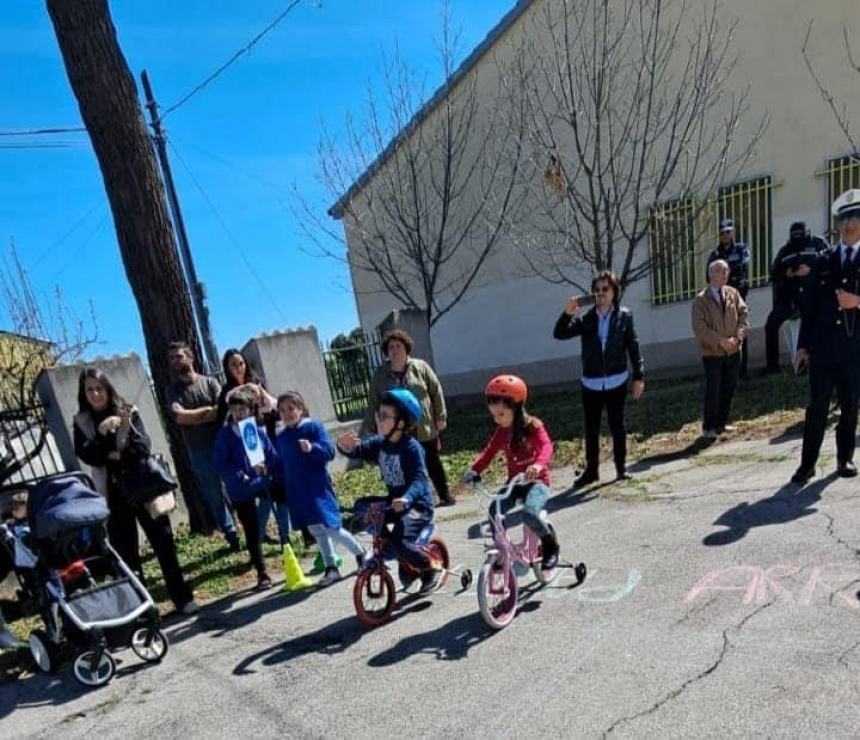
{"points": [[700, 444], [451, 641], [329, 640], [793, 432], [786, 505]]}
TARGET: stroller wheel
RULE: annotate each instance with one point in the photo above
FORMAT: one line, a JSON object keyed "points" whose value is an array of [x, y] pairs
{"points": [[44, 651], [157, 648], [93, 675]]}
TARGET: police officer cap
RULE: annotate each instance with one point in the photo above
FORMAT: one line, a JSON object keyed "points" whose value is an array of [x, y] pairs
{"points": [[798, 227], [727, 224], [847, 205]]}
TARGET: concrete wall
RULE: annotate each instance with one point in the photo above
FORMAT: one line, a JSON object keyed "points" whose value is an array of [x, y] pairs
{"points": [[58, 389], [505, 320], [291, 360]]}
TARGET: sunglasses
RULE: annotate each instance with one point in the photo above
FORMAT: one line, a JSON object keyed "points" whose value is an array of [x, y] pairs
{"points": [[382, 416], [601, 289]]}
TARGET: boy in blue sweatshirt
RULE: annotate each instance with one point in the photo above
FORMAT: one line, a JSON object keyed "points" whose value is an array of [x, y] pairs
{"points": [[401, 463], [245, 483]]}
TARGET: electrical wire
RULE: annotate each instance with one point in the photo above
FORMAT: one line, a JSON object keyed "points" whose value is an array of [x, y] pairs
{"points": [[40, 131], [65, 236], [244, 50], [239, 249]]}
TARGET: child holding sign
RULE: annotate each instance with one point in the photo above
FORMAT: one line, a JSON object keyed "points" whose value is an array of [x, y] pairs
{"points": [[245, 460]]}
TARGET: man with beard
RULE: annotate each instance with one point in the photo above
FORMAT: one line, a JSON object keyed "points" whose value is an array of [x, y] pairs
{"points": [[192, 400], [791, 276]]}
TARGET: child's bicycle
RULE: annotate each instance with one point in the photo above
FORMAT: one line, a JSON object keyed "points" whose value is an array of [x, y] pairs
{"points": [[498, 593], [374, 593]]}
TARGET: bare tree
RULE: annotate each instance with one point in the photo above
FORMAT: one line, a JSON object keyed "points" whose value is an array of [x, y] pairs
{"points": [[107, 98], [40, 334], [839, 110], [628, 108], [425, 193]]}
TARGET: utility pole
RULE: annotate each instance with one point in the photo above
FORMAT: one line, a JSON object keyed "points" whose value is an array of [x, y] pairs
{"points": [[196, 289]]}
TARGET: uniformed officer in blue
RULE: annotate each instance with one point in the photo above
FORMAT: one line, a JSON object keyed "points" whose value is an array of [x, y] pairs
{"points": [[791, 276], [737, 255], [830, 343]]}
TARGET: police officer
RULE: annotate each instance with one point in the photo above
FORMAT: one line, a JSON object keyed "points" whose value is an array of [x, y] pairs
{"points": [[737, 255], [830, 342], [790, 275]]}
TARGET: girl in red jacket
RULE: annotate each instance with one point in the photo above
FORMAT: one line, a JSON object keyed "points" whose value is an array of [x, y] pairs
{"points": [[527, 448]]}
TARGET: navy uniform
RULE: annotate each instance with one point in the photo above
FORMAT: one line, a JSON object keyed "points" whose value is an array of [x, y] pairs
{"points": [[789, 290], [738, 257], [831, 337]]}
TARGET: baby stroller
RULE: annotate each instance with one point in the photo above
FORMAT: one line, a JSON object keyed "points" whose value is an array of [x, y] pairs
{"points": [[83, 590]]}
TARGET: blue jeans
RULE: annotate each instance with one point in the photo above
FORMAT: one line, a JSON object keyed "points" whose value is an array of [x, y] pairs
{"points": [[534, 497], [282, 517], [211, 491], [324, 536]]}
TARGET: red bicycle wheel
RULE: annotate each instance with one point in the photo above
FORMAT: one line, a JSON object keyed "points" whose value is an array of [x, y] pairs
{"points": [[373, 596], [438, 550]]}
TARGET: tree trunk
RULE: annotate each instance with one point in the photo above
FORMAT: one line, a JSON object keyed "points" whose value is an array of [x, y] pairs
{"points": [[107, 97]]}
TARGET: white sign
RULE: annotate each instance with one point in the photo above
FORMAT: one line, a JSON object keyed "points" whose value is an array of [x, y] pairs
{"points": [[251, 440]]}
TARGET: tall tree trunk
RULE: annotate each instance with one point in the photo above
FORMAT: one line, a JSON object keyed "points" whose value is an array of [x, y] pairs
{"points": [[107, 97]]}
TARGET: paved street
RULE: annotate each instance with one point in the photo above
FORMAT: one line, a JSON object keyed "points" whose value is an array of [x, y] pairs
{"points": [[719, 602]]}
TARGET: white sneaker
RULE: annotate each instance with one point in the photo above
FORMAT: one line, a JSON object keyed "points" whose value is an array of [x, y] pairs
{"points": [[190, 608]]}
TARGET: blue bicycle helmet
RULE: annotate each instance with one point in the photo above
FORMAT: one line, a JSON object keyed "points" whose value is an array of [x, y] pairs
{"points": [[404, 401]]}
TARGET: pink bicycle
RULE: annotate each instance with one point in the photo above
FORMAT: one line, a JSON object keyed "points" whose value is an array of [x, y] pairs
{"points": [[498, 592]]}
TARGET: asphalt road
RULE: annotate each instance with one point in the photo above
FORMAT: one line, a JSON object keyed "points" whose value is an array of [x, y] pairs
{"points": [[719, 602]]}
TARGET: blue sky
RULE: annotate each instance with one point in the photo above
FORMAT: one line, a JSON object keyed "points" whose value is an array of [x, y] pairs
{"points": [[246, 139]]}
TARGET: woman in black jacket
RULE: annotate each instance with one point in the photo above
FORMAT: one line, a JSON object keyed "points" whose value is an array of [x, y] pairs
{"points": [[608, 339], [110, 437]]}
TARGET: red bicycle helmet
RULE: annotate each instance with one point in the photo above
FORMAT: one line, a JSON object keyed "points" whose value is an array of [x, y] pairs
{"points": [[508, 386]]}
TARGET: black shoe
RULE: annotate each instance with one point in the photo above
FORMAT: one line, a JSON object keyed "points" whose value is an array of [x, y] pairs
{"points": [[446, 501], [264, 583], [802, 475], [588, 477], [847, 469], [430, 581], [232, 538], [549, 555], [623, 475]]}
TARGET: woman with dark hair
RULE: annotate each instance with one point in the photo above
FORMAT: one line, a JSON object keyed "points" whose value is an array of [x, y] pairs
{"points": [[608, 339], [238, 374], [110, 437], [401, 370]]}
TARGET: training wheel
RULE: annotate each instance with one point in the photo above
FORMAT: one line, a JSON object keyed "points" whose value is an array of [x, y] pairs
{"points": [[466, 579], [580, 572]]}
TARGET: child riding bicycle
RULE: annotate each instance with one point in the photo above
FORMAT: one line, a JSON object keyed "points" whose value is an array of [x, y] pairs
{"points": [[401, 463], [528, 449]]}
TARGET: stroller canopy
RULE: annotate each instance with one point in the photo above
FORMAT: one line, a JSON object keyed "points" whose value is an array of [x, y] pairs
{"points": [[63, 504]]}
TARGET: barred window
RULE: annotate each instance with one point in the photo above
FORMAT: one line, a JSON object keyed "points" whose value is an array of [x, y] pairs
{"points": [[750, 204], [843, 173], [672, 240], [682, 234]]}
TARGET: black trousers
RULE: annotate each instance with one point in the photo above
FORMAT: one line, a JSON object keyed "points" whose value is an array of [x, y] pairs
{"points": [[122, 533], [435, 469], [247, 513], [825, 375], [721, 381], [775, 319], [592, 404]]}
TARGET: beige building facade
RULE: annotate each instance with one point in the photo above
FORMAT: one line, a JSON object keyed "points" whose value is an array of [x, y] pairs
{"points": [[505, 321]]}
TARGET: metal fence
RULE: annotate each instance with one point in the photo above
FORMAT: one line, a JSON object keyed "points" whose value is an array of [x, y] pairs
{"points": [[30, 449], [349, 369]]}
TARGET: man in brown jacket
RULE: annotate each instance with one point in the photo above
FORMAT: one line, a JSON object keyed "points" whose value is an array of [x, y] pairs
{"points": [[720, 323]]}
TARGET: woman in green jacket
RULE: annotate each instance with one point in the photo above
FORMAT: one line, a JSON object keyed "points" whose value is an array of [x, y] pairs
{"points": [[402, 371]]}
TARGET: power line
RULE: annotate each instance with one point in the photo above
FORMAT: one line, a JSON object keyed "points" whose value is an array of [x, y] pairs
{"points": [[75, 226], [55, 145], [238, 248], [40, 131], [244, 50], [77, 251]]}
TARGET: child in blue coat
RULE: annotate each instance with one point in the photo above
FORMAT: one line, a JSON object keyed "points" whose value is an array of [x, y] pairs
{"points": [[304, 449], [246, 483]]}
